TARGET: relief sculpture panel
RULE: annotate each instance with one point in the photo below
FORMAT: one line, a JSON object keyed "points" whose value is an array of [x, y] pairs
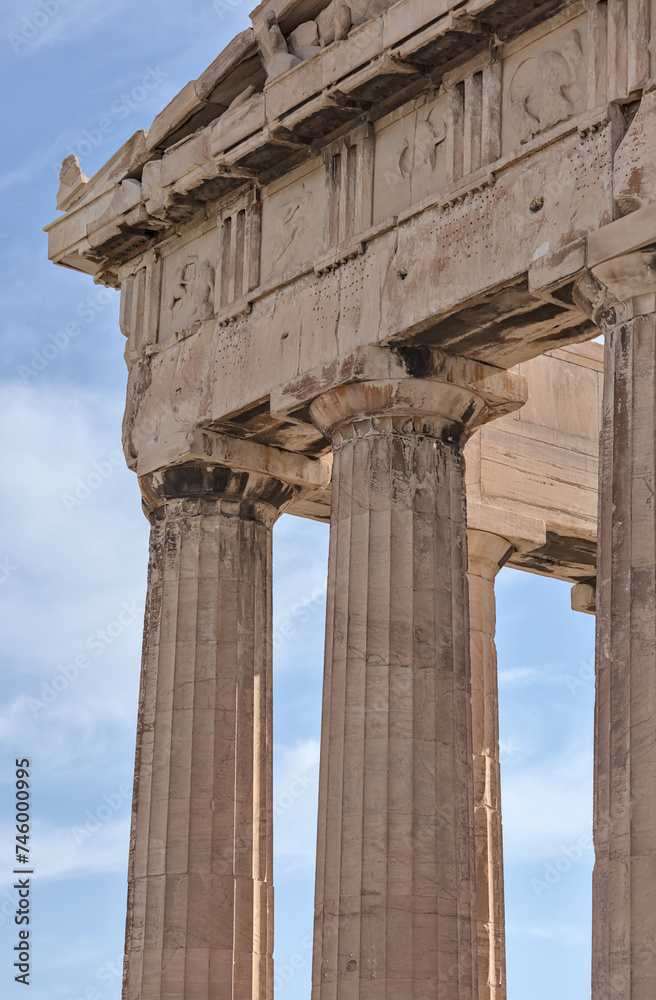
{"points": [[410, 157], [545, 84], [292, 221], [188, 280]]}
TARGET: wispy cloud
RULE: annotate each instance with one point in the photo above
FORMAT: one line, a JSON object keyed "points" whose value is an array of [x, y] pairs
{"points": [[57, 856]]}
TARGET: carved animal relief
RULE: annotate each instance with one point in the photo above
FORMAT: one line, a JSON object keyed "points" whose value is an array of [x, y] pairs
{"points": [[421, 148], [545, 88]]}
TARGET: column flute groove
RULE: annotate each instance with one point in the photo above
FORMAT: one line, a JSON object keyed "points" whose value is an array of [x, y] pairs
{"points": [[487, 553], [620, 295], [200, 917], [395, 899]]}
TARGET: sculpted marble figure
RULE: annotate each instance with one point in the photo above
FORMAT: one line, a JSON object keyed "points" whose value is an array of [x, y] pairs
{"points": [[351, 13], [276, 57]]}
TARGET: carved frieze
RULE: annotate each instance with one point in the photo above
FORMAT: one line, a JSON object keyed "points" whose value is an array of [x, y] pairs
{"points": [[191, 298], [188, 285], [410, 157], [547, 84], [292, 212], [440, 139]]}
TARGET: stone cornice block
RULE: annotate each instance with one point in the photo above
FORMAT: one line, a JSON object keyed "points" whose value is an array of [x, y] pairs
{"points": [[409, 16], [236, 51], [444, 40], [294, 87], [174, 115], [362, 45], [126, 197], [238, 124]]}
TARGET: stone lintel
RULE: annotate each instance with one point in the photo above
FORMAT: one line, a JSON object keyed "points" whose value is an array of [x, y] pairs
{"points": [[201, 444], [524, 533], [584, 597], [502, 391], [555, 269]]}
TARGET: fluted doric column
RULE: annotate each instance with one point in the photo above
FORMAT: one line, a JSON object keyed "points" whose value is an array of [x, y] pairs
{"points": [[395, 906], [487, 554], [492, 536], [200, 913], [620, 295]]}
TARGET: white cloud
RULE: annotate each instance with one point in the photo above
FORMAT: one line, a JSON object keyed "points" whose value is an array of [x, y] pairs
{"points": [[525, 676], [78, 566], [548, 805], [57, 854]]}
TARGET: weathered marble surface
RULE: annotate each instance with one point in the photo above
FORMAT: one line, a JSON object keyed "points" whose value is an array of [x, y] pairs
{"points": [[339, 238], [620, 292], [200, 903]]}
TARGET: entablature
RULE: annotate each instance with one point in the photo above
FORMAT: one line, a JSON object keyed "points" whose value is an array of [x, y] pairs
{"points": [[469, 86]]}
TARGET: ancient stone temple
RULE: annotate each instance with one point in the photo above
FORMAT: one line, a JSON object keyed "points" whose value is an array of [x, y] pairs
{"points": [[362, 259]]}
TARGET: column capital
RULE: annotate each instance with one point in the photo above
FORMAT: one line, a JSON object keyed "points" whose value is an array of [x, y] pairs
{"points": [[424, 391], [584, 597], [617, 290], [198, 489], [201, 466], [487, 551], [620, 281]]}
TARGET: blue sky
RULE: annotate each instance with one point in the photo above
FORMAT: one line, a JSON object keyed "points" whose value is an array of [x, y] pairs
{"points": [[73, 548]]}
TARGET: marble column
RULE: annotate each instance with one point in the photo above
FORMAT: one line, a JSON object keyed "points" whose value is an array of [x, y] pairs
{"points": [[395, 897], [487, 554], [200, 905], [621, 297]]}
